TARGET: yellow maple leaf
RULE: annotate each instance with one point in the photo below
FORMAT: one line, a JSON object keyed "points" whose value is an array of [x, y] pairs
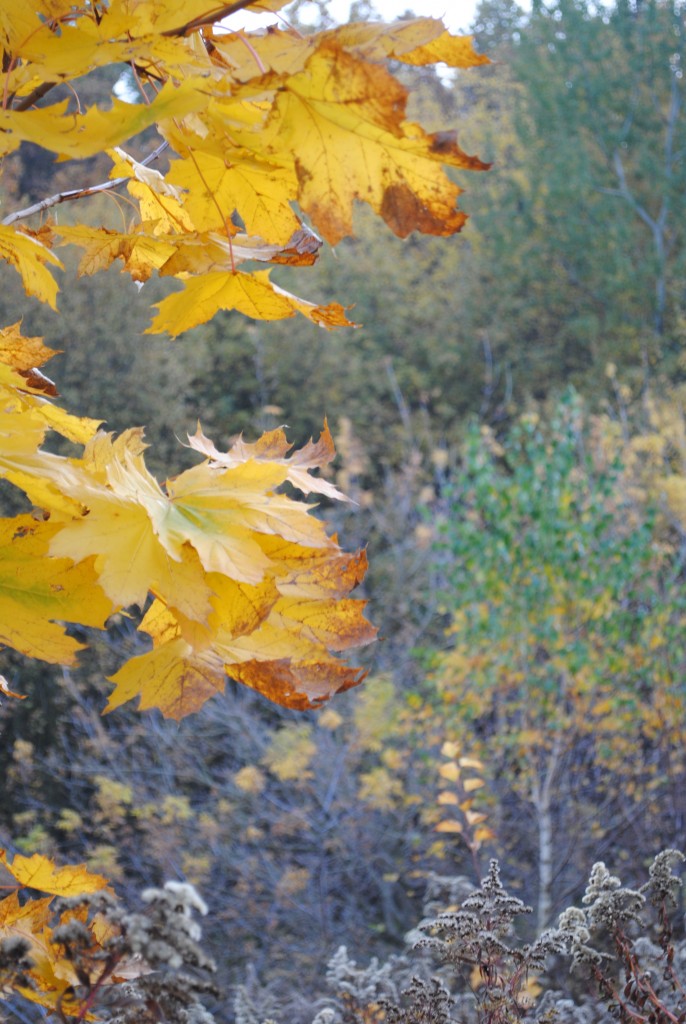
{"points": [[27, 254], [251, 294], [342, 118], [290, 667], [17, 22], [83, 135], [308, 572], [162, 16], [338, 623], [259, 634], [20, 352], [39, 872], [30, 916], [37, 593], [126, 532], [241, 498], [261, 189], [27, 411], [172, 677], [141, 253], [415, 41], [178, 678], [273, 447], [87, 43], [281, 50], [210, 519], [456, 51], [298, 685]]}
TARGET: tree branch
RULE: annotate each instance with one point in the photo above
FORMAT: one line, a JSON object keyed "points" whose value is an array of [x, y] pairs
{"points": [[209, 19], [625, 192], [79, 193], [34, 96]]}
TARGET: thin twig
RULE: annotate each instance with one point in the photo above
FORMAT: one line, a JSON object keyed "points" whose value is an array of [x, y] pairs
{"points": [[253, 52], [139, 84], [79, 193]]}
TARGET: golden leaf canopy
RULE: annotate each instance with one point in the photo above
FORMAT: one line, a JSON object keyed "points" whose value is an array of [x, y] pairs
{"points": [[261, 129], [266, 141]]}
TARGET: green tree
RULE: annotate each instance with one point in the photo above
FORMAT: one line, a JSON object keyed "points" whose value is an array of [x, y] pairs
{"points": [[562, 672], [577, 236], [605, 90]]}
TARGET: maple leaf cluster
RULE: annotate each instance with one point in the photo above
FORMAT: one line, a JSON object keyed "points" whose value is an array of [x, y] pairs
{"points": [[254, 124], [34, 963], [245, 579], [78, 953], [259, 132], [267, 141]]}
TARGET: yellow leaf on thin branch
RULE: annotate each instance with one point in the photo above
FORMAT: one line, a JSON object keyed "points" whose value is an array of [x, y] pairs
{"points": [[449, 826], [39, 872]]}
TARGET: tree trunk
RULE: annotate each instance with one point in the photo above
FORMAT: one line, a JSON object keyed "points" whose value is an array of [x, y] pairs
{"points": [[542, 801]]}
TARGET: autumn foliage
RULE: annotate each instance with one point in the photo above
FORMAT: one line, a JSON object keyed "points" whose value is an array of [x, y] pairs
{"points": [[264, 143], [253, 125]]}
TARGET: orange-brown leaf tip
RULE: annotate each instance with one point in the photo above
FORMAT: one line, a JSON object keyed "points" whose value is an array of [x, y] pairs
{"points": [[5, 688], [37, 381], [301, 250], [297, 687]]}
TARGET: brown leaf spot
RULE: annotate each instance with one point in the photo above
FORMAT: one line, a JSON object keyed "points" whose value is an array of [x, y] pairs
{"points": [[404, 212]]}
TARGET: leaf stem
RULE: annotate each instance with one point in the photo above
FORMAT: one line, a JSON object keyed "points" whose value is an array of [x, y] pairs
{"points": [[253, 52]]}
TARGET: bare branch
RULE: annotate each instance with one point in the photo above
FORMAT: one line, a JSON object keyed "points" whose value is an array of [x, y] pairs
{"points": [[625, 192], [79, 193]]}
